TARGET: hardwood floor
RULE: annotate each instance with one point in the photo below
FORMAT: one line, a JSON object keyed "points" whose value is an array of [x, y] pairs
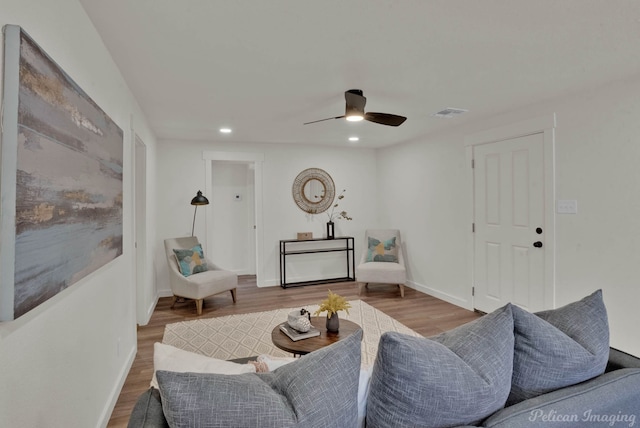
{"points": [[423, 313]]}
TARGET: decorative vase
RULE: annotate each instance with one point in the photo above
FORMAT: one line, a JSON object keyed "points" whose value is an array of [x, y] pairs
{"points": [[330, 234], [333, 323]]}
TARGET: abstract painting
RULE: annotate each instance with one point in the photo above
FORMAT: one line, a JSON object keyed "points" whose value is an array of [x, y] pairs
{"points": [[61, 180]]}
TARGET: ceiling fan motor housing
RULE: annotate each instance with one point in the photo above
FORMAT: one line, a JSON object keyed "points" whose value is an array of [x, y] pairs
{"points": [[355, 103]]}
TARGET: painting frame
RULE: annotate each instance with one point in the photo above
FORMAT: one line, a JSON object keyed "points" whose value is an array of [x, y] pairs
{"points": [[61, 180]]}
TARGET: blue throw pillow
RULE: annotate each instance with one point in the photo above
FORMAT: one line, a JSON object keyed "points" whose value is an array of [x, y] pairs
{"points": [[318, 390], [456, 378], [191, 261], [382, 251], [558, 348]]}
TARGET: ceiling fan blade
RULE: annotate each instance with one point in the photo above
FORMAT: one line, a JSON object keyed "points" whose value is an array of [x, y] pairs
{"points": [[322, 120], [385, 118], [355, 100]]}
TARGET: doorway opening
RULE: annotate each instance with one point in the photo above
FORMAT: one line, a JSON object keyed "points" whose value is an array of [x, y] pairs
{"points": [[234, 219]]}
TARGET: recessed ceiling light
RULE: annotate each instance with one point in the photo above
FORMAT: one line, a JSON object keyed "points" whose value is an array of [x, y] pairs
{"points": [[225, 130], [353, 139]]}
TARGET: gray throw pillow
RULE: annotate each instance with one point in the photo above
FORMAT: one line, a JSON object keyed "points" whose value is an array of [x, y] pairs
{"points": [[320, 389], [456, 378], [558, 348]]}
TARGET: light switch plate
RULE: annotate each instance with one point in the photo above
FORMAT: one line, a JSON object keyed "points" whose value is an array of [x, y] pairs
{"points": [[567, 206]]}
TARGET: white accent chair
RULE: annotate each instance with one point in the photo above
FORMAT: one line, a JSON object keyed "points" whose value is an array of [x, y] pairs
{"points": [[381, 272], [200, 285]]}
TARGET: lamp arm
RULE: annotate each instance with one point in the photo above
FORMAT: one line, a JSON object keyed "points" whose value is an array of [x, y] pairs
{"points": [[194, 220]]}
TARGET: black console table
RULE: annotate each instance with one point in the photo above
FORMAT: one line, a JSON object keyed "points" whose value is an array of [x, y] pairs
{"points": [[293, 247]]}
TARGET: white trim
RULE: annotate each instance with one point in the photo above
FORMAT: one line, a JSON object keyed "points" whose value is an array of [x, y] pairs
{"points": [[470, 219], [466, 304], [105, 416], [257, 159], [233, 156], [514, 130], [545, 125]]}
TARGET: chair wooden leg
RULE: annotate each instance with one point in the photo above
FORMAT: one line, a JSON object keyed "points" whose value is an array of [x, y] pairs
{"points": [[360, 285], [233, 294], [173, 302], [401, 290], [199, 306]]}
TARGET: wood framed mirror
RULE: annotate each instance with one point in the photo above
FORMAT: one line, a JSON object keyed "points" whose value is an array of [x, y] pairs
{"points": [[313, 190]]}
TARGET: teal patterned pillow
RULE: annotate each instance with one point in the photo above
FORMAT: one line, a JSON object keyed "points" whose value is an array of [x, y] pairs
{"points": [[382, 251], [191, 261]]}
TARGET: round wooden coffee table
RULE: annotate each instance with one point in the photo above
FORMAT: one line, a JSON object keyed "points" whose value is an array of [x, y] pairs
{"points": [[304, 346]]}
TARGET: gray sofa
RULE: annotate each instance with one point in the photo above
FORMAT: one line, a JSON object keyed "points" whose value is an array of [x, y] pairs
{"points": [[507, 369]]}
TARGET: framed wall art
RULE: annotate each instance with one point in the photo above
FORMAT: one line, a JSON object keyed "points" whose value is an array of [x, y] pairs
{"points": [[60, 183]]}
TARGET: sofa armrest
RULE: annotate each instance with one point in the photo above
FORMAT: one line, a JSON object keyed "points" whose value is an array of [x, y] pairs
{"points": [[147, 413], [615, 393], [621, 360]]}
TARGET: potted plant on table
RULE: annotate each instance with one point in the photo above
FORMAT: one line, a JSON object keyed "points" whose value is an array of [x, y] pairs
{"points": [[331, 305], [335, 215]]}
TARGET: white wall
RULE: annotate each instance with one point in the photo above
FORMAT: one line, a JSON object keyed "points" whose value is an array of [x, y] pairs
{"points": [[63, 363], [597, 153], [181, 171]]}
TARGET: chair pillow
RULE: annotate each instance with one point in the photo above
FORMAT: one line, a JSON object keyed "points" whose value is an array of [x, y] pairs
{"points": [[319, 389], [170, 358], [191, 261], [382, 251], [456, 378], [558, 348]]}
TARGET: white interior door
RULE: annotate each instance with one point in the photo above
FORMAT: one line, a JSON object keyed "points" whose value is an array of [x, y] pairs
{"points": [[509, 221]]}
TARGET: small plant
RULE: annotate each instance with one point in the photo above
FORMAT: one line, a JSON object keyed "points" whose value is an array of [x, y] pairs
{"points": [[332, 304], [338, 215]]}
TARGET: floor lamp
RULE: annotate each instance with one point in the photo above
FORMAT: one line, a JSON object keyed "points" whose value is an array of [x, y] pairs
{"points": [[198, 200]]}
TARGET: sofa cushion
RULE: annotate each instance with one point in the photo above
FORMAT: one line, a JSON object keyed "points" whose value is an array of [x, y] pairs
{"points": [[170, 358], [319, 389], [559, 347], [458, 377], [191, 260], [610, 400], [382, 251]]}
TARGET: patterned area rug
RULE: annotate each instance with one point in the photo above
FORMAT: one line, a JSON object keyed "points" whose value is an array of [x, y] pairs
{"points": [[238, 336]]}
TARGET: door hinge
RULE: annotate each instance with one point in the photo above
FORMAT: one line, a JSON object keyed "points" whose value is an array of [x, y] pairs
{"points": [[473, 228], [473, 291], [473, 163]]}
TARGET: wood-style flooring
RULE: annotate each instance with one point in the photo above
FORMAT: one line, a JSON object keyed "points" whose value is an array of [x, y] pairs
{"points": [[423, 313]]}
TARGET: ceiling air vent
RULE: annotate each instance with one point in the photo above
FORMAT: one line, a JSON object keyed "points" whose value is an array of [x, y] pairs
{"points": [[449, 112]]}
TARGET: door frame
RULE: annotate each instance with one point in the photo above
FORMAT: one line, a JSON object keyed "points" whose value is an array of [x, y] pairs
{"points": [[257, 159], [144, 307], [541, 125]]}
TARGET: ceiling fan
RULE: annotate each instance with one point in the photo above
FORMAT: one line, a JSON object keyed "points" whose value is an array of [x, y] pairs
{"points": [[354, 111]]}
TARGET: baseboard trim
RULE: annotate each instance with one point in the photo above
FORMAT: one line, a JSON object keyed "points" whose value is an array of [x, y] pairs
{"points": [[150, 309], [115, 393], [466, 304], [164, 293]]}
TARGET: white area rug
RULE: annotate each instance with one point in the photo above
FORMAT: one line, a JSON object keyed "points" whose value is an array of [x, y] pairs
{"points": [[238, 336]]}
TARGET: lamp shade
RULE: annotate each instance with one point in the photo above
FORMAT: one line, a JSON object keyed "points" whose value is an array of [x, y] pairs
{"points": [[199, 199]]}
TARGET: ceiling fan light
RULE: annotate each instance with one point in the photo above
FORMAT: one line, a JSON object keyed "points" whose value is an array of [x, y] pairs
{"points": [[355, 118]]}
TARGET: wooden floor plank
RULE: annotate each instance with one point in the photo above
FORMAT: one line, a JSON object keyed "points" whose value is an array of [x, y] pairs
{"points": [[425, 314]]}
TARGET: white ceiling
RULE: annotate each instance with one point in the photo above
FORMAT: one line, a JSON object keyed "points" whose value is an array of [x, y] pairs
{"points": [[265, 67]]}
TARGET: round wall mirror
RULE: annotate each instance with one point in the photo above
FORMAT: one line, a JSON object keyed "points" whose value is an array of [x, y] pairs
{"points": [[313, 190]]}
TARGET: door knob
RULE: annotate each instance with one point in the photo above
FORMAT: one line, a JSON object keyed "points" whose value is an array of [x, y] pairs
{"points": [[537, 244]]}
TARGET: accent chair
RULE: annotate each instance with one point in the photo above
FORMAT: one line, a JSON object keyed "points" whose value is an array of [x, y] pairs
{"points": [[382, 260], [196, 286]]}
